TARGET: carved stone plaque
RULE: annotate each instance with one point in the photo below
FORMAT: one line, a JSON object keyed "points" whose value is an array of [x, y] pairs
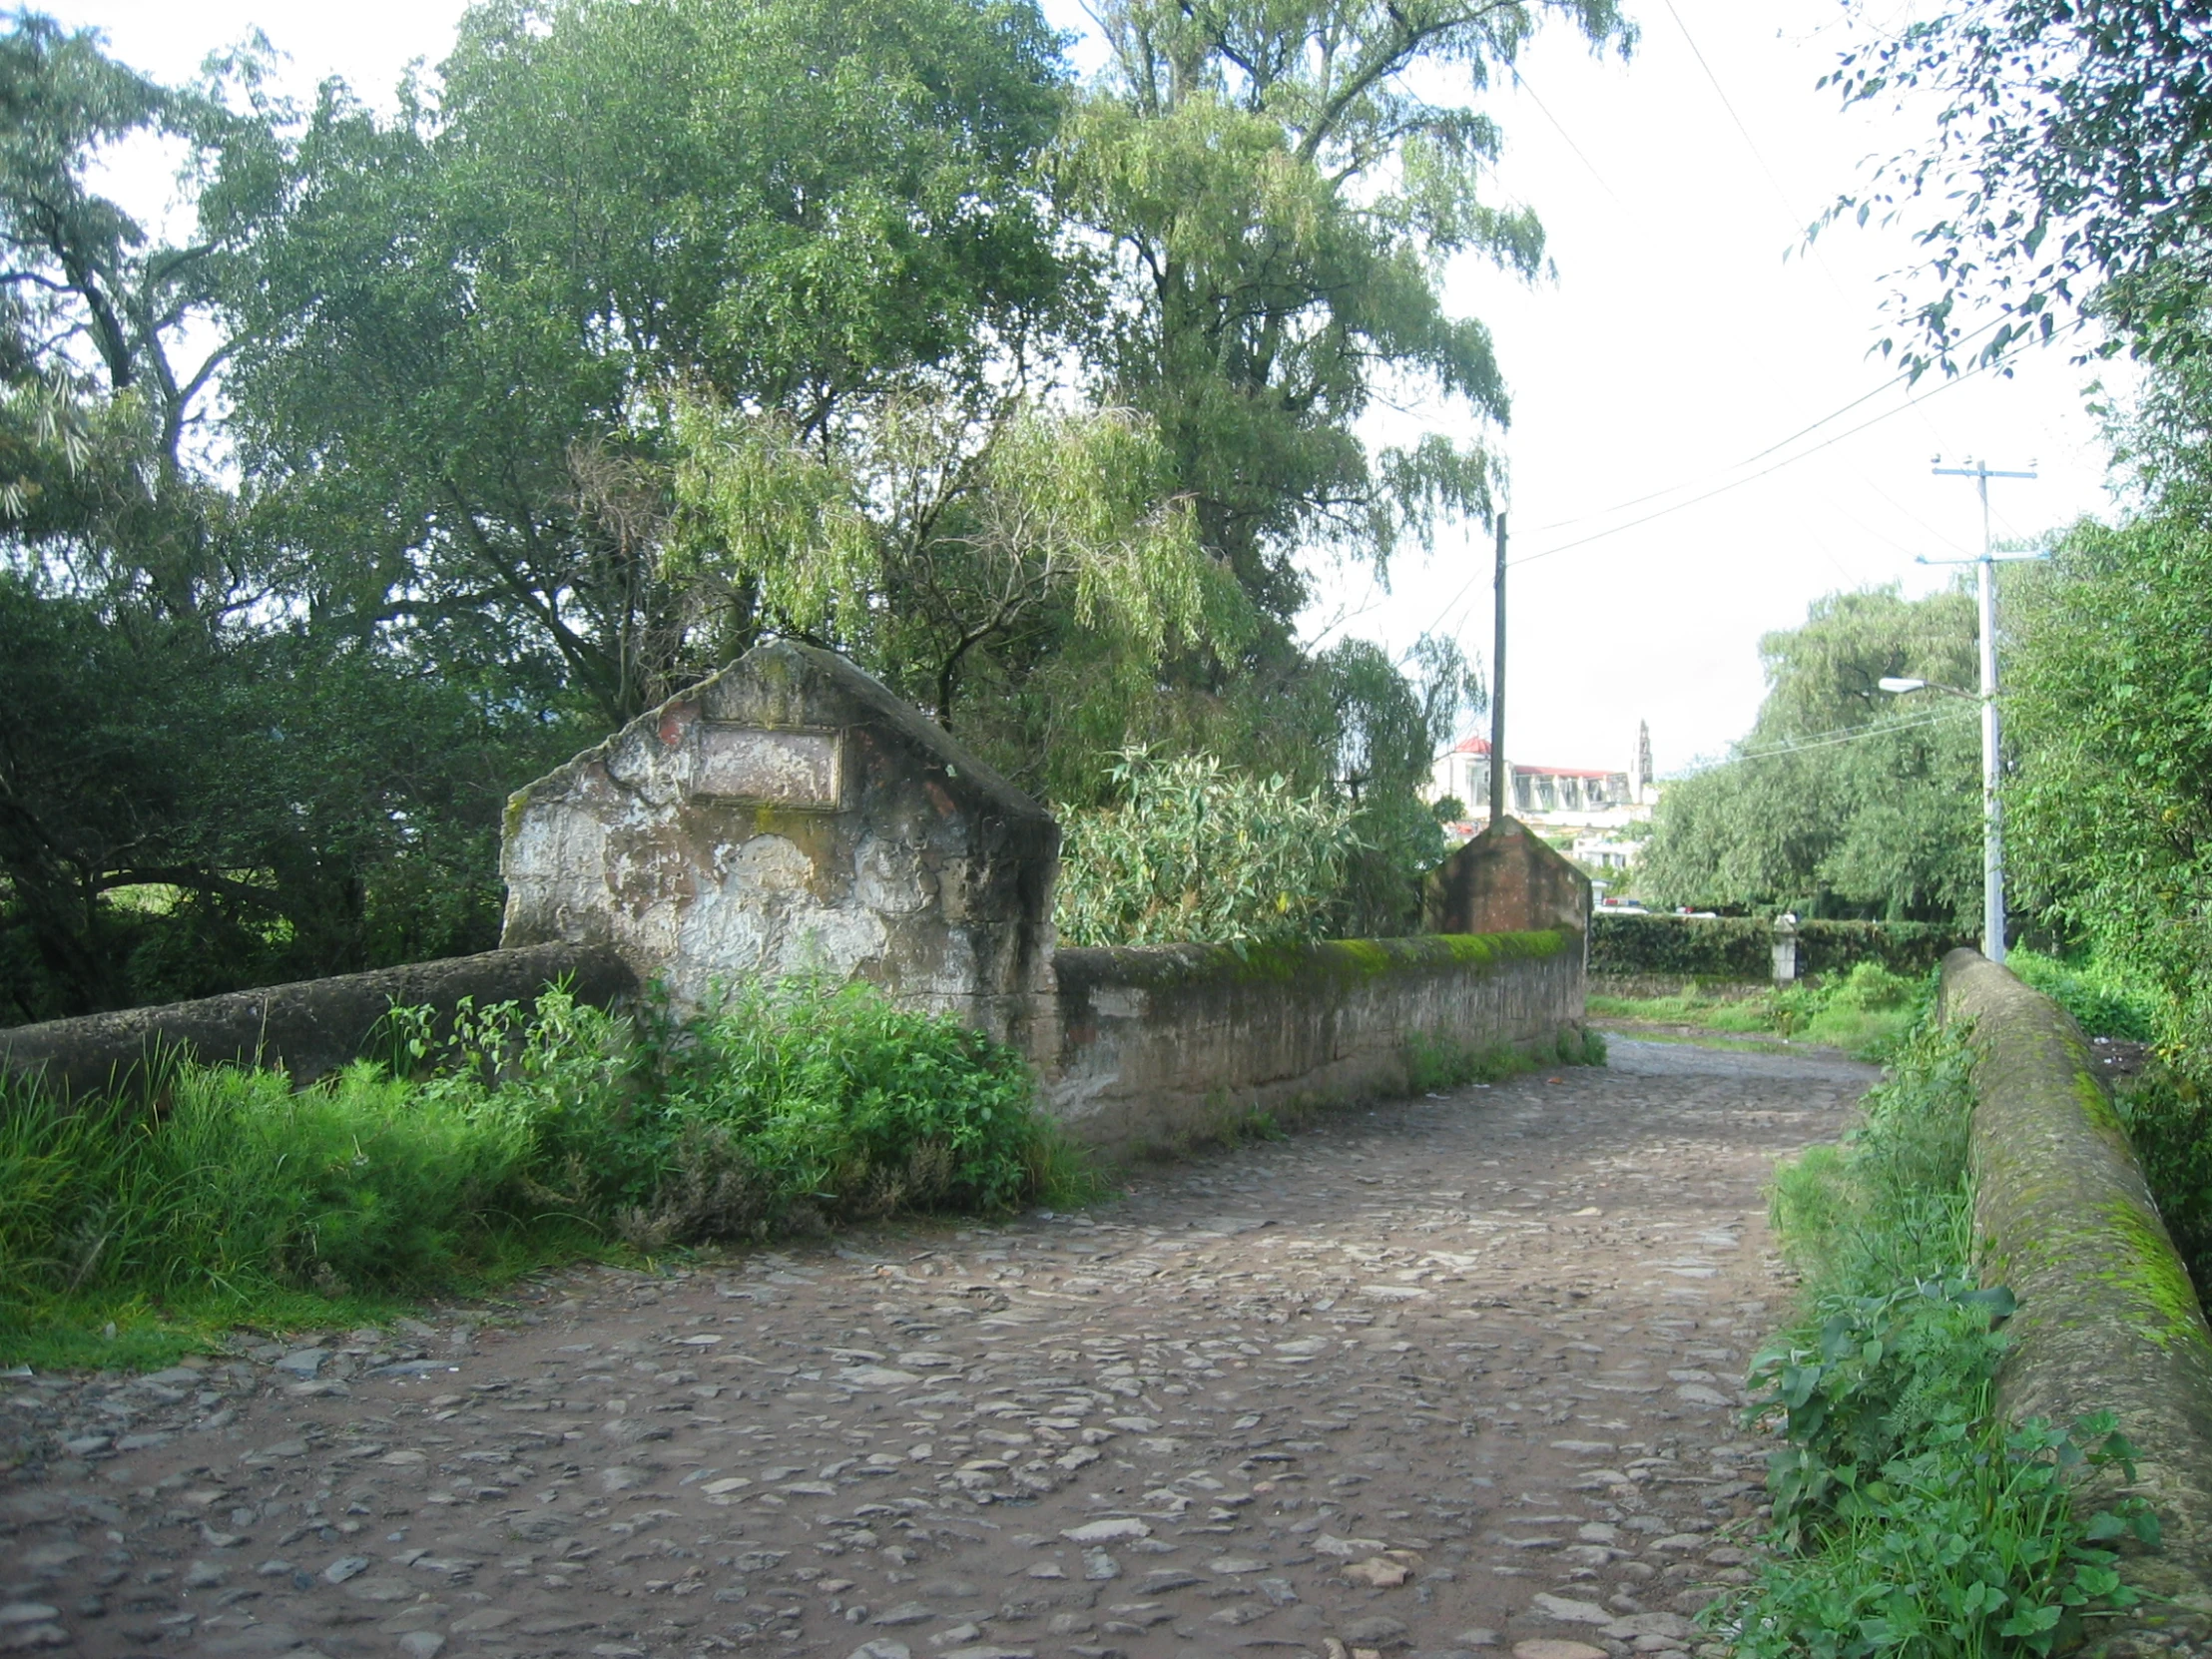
{"points": [[781, 768]]}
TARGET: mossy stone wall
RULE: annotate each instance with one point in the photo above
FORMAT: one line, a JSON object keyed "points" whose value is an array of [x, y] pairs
{"points": [[2108, 1320], [1163, 1044]]}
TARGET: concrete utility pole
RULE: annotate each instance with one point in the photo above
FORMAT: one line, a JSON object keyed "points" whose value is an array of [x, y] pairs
{"points": [[1992, 829], [1502, 793]]}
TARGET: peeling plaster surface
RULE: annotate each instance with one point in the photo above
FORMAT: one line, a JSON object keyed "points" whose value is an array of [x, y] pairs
{"points": [[789, 815]]}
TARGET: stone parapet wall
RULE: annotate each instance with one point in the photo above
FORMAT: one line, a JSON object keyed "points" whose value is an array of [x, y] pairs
{"points": [[789, 815], [310, 1027], [1162, 1044], [2107, 1318]]}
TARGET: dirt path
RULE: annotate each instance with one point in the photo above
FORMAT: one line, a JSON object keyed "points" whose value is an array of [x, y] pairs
{"points": [[1448, 1375]]}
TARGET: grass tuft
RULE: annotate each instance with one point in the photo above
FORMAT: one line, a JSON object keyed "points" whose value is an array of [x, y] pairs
{"points": [[209, 1196], [1910, 1519]]}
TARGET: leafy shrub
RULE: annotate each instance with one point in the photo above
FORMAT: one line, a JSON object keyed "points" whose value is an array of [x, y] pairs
{"points": [[1740, 948], [783, 1105], [1909, 1519], [2102, 1003], [2169, 1123], [1708, 947], [1196, 854]]}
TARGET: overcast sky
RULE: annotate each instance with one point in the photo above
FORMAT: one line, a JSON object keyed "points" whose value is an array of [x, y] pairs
{"points": [[1686, 331]]}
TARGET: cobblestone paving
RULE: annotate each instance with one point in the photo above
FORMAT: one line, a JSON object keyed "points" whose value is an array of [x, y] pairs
{"points": [[1453, 1374]]}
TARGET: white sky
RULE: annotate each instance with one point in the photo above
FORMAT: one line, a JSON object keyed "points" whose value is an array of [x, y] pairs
{"points": [[1686, 332]]}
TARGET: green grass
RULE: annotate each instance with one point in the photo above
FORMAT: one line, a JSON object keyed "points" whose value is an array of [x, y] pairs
{"points": [[2103, 1001], [1864, 1013], [1432, 1064], [1911, 1520], [209, 1196]]}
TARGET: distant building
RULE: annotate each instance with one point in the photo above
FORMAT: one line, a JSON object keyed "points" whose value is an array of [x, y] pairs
{"points": [[1557, 797]]}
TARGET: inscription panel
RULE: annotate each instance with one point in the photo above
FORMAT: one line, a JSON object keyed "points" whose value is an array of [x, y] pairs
{"points": [[782, 768]]}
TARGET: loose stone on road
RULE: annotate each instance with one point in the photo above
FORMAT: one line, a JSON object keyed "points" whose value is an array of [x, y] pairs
{"points": [[1450, 1374]]}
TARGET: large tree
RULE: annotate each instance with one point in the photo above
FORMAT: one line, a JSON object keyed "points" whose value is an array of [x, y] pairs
{"points": [[2067, 174], [206, 778], [1282, 189], [467, 328], [1843, 800]]}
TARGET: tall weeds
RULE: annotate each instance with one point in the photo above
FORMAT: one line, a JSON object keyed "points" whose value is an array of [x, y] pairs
{"points": [[783, 1107], [1910, 1519]]}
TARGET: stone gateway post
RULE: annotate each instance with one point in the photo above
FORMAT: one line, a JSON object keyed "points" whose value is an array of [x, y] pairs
{"points": [[790, 816]]}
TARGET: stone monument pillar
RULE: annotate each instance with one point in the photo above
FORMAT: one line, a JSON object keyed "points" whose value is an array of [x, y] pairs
{"points": [[789, 815]]}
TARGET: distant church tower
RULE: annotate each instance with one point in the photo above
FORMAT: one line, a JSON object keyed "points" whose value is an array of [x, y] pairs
{"points": [[1639, 776]]}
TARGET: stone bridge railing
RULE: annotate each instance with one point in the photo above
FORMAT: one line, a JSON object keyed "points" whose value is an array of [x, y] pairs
{"points": [[790, 816]]}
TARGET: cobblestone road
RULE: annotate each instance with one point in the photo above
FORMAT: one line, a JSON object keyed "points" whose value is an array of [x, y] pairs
{"points": [[1453, 1374]]}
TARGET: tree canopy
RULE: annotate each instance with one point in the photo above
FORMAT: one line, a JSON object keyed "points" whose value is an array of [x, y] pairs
{"points": [[1843, 801], [2068, 171], [436, 441]]}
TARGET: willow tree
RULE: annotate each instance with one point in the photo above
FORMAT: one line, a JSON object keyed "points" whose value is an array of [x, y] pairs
{"points": [[1281, 189]]}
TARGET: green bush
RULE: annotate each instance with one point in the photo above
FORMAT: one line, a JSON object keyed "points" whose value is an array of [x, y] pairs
{"points": [[783, 1106], [1909, 1518], [1194, 854], [1740, 948], [2169, 1123], [2102, 1003], [1702, 947]]}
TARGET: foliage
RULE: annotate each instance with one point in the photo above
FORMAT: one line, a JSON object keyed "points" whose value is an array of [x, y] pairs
{"points": [[636, 333], [181, 815], [1742, 950], [460, 335], [1843, 800], [205, 780], [2169, 1124], [2066, 172], [943, 567], [2111, 804], [829, 1097], [782, 1105], [2103, 1002], [1281, 190], [1195, 853], [1432, 1064], [1909, 1519]]}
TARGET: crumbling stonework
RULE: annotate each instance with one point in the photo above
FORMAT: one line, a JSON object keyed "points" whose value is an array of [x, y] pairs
{"points": [[790, 816], [1508, 880]]}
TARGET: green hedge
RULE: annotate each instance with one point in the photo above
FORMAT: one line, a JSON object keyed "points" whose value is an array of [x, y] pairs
{"points": [[1742, 948]]}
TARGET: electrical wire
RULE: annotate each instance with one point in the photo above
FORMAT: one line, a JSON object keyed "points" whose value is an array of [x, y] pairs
{"points": [[1719, 91], [1521, 81], [1861, 735], [1736, 483]]}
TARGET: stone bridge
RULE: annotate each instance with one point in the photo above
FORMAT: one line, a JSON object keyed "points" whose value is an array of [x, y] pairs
{"points": [[1450, 1376]]}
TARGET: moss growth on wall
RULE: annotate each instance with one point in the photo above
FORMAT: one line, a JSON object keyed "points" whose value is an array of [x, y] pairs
{"points": [[2144, 1268], [1342, 960]]}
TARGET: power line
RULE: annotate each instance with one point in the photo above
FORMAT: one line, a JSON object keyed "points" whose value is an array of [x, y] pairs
{"points": [[1719, 91], [1858, 734], [1521, 81], [1806, 430], [1736, 483]]}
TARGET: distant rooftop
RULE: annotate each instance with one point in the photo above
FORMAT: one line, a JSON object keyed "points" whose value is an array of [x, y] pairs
{"points": [[1481, 747]]}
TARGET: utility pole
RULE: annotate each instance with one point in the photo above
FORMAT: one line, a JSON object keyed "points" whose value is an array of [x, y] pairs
{"points": [[1502, 796], [1992, 827]]}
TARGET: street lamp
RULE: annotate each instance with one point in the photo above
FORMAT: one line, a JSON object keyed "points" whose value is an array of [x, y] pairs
{"points": [[1985, 592], [1992, 829]]}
